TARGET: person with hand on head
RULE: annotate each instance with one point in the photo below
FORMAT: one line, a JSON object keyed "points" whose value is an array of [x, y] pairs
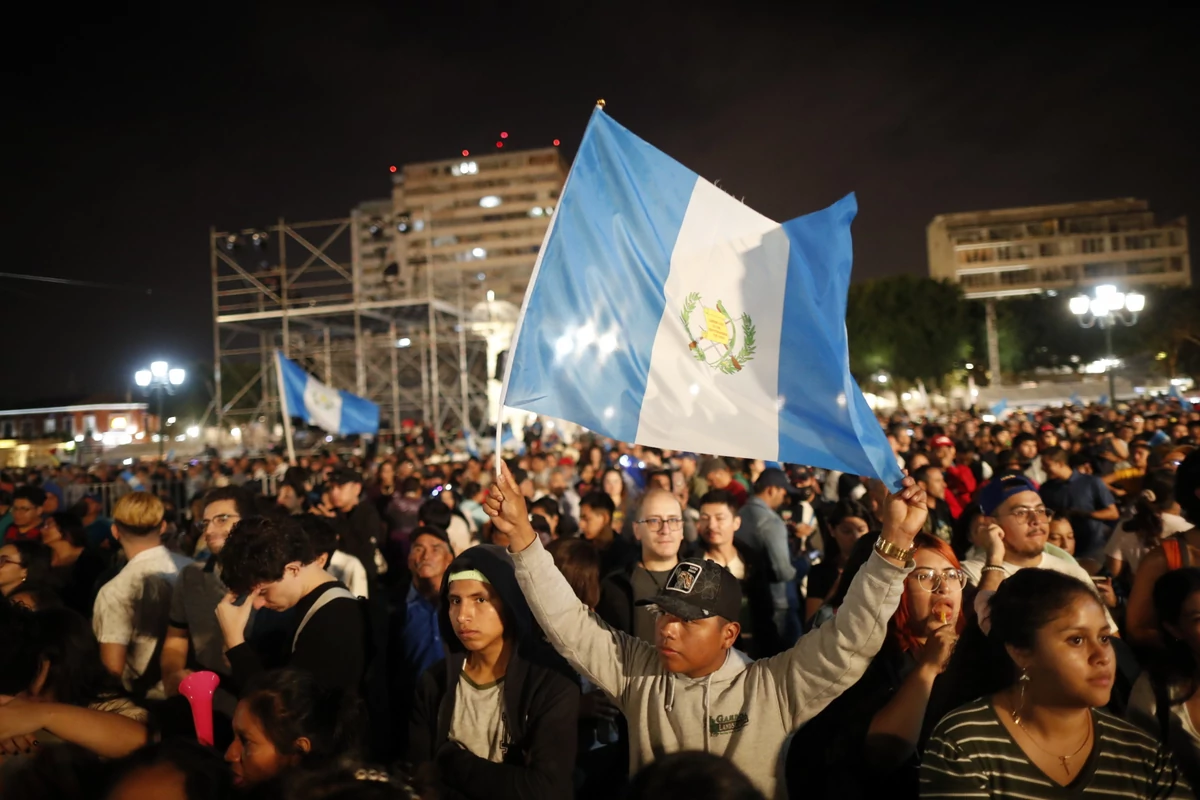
{"points": [[692, 690], [132, 611], [194, 638], [497, 717], [1010, 536], [870, 739], [286, 720], [354, 517], [272, 563], [659, 530], [1044, 735]]}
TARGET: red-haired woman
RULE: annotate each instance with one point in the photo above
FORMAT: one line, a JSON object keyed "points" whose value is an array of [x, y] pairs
{"points": [[872, 736]]}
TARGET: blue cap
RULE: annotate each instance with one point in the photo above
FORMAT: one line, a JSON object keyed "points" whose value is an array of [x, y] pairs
{"points": [[995, 493]]}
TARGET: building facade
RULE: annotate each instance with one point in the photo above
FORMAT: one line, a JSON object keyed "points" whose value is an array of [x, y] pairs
{"points": [[1017, 251]]}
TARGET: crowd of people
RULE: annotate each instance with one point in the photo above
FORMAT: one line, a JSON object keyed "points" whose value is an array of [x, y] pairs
{"points": [[597, 619]]}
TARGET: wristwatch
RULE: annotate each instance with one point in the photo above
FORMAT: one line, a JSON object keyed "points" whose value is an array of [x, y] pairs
{"points": [[886, 548]]}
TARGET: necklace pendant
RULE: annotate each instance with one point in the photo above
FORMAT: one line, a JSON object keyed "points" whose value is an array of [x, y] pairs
{"points": [[1063, 759]]}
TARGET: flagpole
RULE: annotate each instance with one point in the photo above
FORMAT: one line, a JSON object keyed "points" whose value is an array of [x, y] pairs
{"points": [[525, 305], [285, 413]]}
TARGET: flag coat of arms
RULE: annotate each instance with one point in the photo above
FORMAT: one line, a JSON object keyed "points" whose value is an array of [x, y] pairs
{"points": [[665, 312], [330, 409]]}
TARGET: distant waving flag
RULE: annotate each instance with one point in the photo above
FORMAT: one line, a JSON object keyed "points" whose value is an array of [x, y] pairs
{"points": [[1074, 399], [1103, 400], [665, 312], [330, 409], [1184, 403], [999, 407]]}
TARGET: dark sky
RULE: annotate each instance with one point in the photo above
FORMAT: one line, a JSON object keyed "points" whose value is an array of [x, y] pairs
{"points": [[138, 127]]}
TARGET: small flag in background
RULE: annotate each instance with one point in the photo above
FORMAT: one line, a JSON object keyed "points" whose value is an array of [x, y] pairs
{"points": [[663, 311], [1103, 400], [1074, 399], [999, 407], [1184, 403], [333, 410]]}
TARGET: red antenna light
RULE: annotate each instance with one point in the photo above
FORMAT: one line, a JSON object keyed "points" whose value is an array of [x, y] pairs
{"points": [[466, 152], [503, 134], [556, 142], [499, 144], [392, 168]]}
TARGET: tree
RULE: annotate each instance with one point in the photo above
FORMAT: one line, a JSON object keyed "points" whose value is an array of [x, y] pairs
{"points": [[914, 328], [1171, 325]]}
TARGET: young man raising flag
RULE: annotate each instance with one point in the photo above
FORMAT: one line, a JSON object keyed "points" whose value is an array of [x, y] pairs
{"points": [[691, 690]]}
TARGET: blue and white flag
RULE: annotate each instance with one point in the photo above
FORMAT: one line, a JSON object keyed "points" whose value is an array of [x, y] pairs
{"points": [[330, 409], [1184, 403], [665, 312], [1074, 399], [1103, 400]]}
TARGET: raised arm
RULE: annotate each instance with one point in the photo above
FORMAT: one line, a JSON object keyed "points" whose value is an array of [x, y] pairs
{"points": [[604, 655], [831, 659], [104, 733]]}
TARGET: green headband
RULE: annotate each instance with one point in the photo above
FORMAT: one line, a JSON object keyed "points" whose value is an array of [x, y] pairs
{"points": [[468, 575]]}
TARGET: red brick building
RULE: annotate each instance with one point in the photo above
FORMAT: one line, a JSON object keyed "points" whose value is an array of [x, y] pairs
{"points": [[60, 423]]}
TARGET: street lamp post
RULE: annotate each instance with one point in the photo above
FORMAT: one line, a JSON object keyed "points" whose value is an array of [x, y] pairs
{"points": [[162, 380], [1108, 307]]}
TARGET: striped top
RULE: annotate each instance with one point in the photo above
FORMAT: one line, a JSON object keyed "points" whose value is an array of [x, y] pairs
{"points": [[972, 754]]}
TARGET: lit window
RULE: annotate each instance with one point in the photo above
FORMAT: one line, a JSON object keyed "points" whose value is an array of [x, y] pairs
{"points": [[117, 423], [489, 201]]}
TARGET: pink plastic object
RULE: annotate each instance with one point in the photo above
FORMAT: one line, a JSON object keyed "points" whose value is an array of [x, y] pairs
{"points": [[198, 688]]}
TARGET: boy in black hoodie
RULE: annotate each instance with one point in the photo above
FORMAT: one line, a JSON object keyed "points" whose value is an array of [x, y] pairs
{"points": [[497, 719]]}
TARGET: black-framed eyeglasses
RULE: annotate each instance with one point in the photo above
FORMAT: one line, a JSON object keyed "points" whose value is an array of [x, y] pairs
{"points": [[10, 560], [219, 519], [655, 524], [931, 580]]}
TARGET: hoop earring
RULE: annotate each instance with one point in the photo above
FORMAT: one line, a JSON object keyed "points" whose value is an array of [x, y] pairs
{"points": [[1022, 682]]}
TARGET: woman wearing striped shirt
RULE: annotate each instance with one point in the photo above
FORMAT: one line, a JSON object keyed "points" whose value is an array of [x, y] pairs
{"points": [[1044, 736]]}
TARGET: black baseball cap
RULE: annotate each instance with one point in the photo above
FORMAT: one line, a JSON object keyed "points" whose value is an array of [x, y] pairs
{"points": [[773, 477], [343, 475], [699, 589], [429, 530]]}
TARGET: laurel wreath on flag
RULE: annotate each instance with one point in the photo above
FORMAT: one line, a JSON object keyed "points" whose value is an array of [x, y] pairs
{"points": [[730, 362]]}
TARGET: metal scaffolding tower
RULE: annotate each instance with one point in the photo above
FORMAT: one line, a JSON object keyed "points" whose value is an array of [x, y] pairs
{"points": [[388, 303]]}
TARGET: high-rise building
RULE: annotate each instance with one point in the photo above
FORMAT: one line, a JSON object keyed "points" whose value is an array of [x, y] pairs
{"points": [[1017, 251], [474, 224]]}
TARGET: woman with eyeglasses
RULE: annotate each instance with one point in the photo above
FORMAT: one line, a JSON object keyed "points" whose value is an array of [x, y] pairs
{"points": [[23, 564], [873, 734], [1044, 734]]}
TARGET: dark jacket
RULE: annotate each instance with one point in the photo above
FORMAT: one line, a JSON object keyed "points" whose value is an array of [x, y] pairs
{"points": [[541, 704], [360, 532]]}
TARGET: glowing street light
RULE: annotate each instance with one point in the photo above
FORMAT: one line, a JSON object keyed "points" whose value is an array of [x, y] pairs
{"points": [[1107, 307], [161, 379]]}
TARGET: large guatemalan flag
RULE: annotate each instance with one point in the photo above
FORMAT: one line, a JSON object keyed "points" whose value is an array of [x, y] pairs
{"points": [[331, 409], [663, 311]]}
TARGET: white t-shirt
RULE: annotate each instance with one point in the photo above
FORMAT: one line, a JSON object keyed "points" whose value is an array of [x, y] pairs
{"points": [[1053, 558], [1127, 545], [350, 571], [478, 719], [460, 535], [134, 607]]}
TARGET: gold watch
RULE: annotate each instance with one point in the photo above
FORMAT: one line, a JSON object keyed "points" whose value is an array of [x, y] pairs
{"points": [[886, 548]]}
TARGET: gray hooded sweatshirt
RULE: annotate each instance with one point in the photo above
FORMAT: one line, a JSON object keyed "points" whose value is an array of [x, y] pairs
{"points": [[746, 709]]}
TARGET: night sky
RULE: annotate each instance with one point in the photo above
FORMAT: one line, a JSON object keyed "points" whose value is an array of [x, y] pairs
{"points": [[136, 128]]}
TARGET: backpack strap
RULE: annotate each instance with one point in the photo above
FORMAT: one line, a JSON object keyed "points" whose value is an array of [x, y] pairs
{"points": [[329, 595]]}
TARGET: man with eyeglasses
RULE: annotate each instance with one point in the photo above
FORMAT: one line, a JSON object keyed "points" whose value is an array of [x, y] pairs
{"points": [[1011, 536], [658, 528], [193, 638], [26, 515]]}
